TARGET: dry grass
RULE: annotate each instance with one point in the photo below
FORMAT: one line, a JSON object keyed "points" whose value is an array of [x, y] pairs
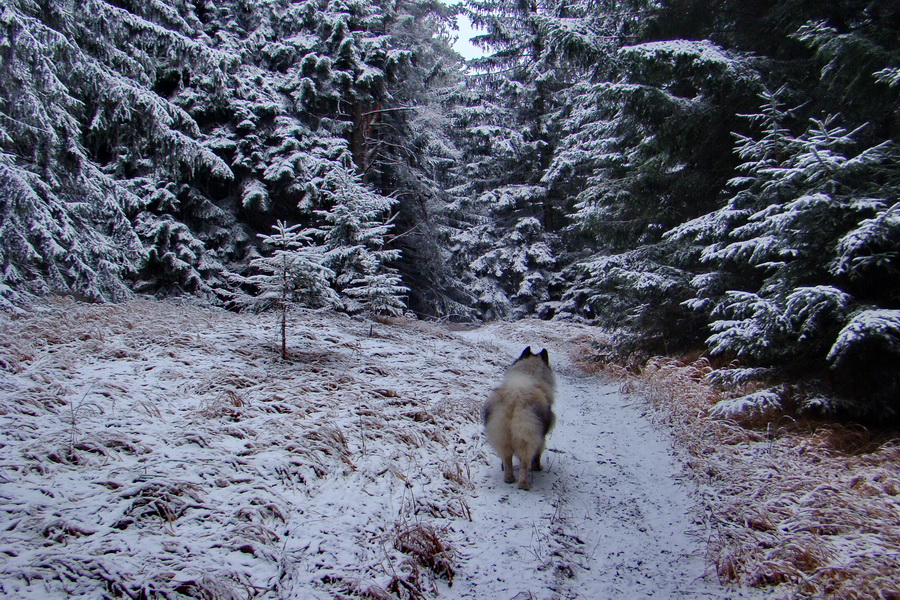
{"points": [[428, 548], [807, 510], [415, 556], [182, 427]]}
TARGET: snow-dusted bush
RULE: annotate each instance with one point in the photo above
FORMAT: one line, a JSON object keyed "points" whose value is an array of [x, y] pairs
{"points": [[866, 357], [758, 407]]}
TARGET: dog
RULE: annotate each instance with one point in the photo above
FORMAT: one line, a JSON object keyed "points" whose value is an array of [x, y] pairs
{"points": [[518, 415]]}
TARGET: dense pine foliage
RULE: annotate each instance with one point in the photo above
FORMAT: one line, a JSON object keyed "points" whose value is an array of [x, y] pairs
{"points": [[695, 174], [146, 144]]}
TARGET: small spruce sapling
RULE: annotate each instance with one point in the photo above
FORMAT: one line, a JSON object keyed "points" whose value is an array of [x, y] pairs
{"points": [[293, 273]]}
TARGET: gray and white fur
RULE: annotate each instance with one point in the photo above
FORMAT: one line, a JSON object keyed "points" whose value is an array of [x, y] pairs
{"points": [[518, 415]]}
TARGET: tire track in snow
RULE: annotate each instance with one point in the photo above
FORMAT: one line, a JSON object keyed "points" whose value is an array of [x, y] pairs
{"points": [[608, 518]]}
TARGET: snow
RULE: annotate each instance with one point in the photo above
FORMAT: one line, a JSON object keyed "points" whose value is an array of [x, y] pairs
{"points": [[698, 54], [756, 405], [608, 518], [164, 449], [878, 327], [890, 76], [702, 50]]}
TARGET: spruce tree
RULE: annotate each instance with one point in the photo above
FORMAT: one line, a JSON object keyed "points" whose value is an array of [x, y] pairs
{"points": [[292, 273], [800, 266], [507, 124], [645, 141], [353, 241], [159, 138], [88, 142]]}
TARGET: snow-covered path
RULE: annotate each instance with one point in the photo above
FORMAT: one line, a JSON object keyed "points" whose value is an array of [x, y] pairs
{"points": [[158, 449], [608, 517]]}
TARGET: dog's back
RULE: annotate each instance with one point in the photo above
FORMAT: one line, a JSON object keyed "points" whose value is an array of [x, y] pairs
{"points": [[519, 414]]}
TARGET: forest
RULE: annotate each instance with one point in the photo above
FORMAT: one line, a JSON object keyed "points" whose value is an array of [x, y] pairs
{"points": [[714, 176]]}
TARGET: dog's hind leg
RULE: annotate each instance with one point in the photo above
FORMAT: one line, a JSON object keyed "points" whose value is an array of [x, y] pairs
{"points": [[508, 476], [536, 461], [547, 418], [524, 483], [526, 458]]}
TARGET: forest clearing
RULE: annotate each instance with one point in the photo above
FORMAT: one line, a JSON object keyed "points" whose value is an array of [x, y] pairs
{"points": [[165, 450], [698, 201]]}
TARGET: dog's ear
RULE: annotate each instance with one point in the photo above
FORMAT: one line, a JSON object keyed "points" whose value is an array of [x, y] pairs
{"points": [[544, 356], [525, 353]]}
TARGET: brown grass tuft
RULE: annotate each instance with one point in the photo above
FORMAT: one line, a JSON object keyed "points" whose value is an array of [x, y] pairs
{"points": [[428, 547]]}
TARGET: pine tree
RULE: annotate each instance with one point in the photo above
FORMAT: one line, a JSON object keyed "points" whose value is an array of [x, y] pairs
{"points": [[508, 137], [353, 239], [645, 141], [71, 139], [796, 252], [293, 273], [521, 79], [162, 136], [374, 86]]}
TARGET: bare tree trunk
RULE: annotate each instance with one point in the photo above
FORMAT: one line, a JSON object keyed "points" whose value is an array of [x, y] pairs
{"points": [[361, 136], [284, 305], [284, 331]]}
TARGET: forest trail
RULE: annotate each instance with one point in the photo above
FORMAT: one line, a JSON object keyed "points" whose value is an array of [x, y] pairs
{"points": [[609, 516], [161, 449]]}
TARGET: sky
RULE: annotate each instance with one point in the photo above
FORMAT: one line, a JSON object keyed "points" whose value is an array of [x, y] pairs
{"points": [[463, 45]]}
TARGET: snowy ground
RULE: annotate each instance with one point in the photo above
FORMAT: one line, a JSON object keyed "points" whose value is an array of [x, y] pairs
{"points": [[608, 518], [163, 450]]}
